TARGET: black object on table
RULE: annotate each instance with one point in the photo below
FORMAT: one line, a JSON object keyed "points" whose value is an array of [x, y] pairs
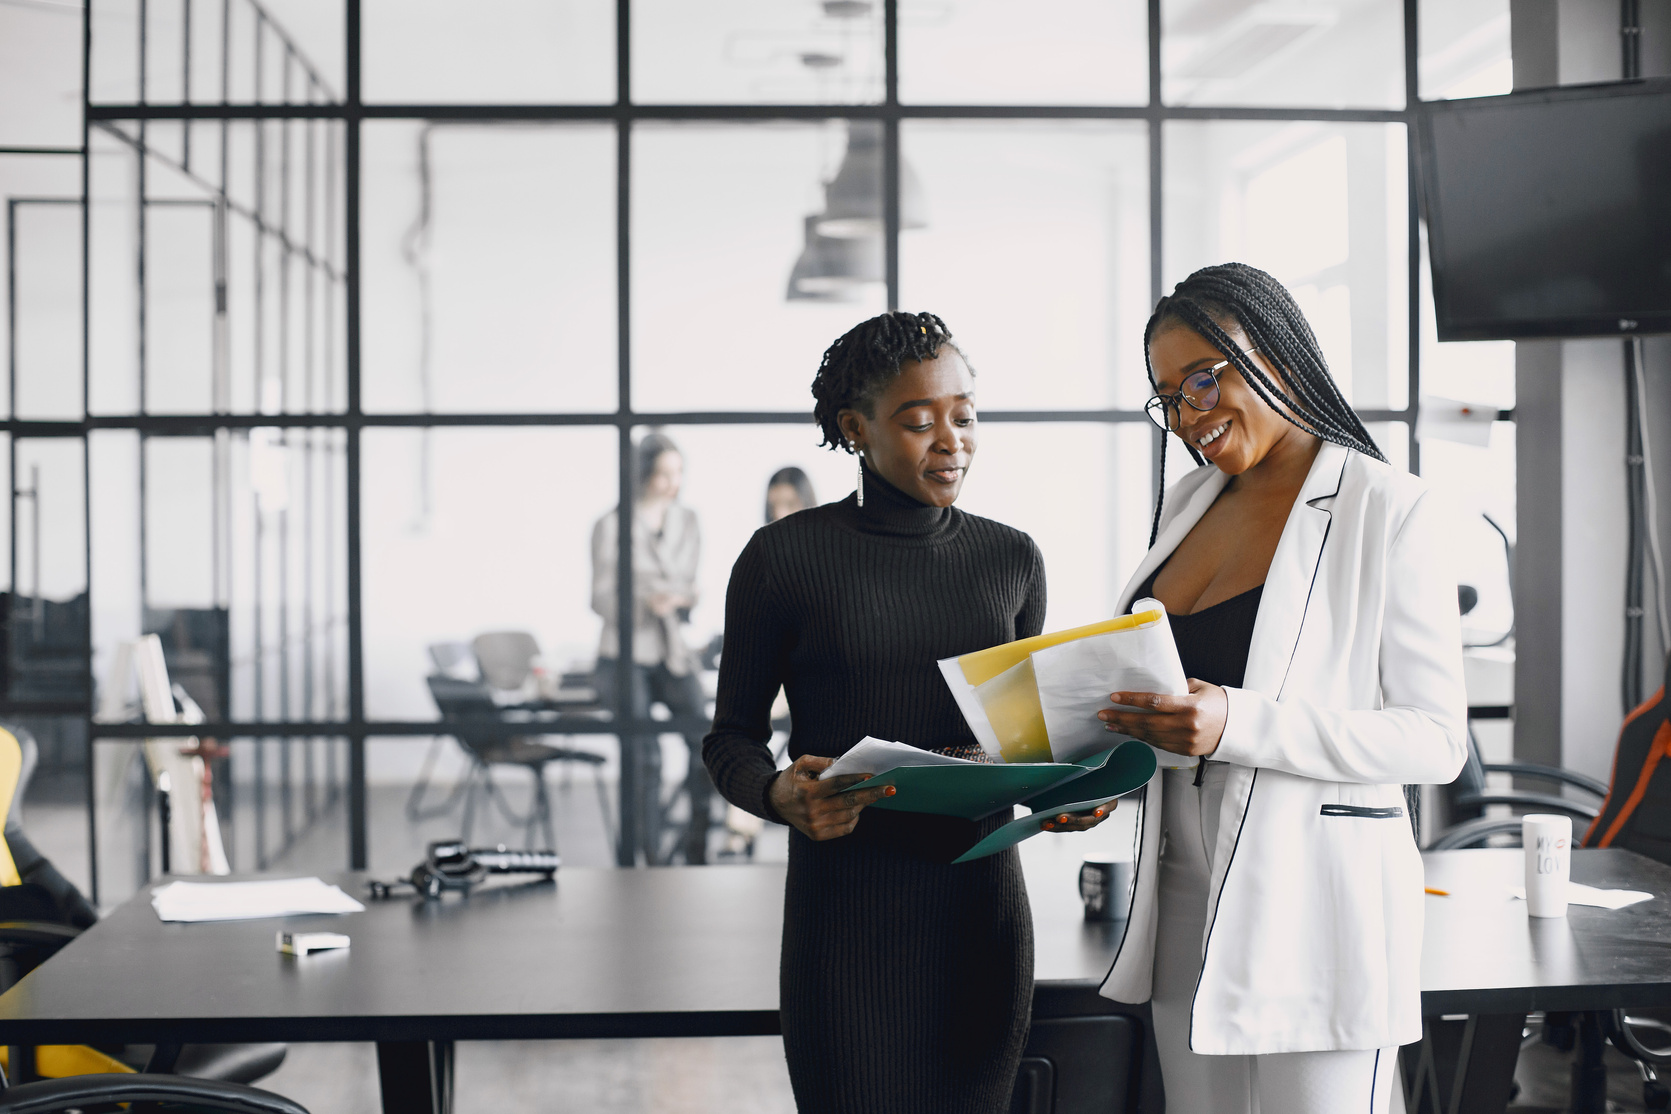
{"points": [[1486, 965], [595, 953]]}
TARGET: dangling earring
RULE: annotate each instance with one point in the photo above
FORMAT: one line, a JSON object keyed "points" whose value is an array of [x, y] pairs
{"points": [[861, 457]]}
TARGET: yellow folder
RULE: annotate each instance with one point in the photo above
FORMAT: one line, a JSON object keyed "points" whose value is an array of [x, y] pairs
{"points": [[1000, 683]]}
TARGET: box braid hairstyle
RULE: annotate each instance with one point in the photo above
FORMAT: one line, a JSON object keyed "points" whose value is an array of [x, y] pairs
{"points": [[860, 365], [1213, 299]]}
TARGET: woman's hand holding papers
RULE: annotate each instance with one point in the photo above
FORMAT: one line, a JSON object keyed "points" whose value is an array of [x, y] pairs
{"points": [[1189, 725], [821, 810]]}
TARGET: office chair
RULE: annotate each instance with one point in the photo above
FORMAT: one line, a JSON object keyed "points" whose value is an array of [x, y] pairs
{"points": [[506, 658], [1468, 794], [63, 1096], [40, 912], [463, 702], [455, 660]]}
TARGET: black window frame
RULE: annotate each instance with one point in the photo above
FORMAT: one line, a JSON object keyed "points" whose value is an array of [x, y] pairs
{"points": [[350, 112]]}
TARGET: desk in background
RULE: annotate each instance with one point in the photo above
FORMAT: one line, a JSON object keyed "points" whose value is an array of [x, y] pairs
{"points": [[1486, 965]]}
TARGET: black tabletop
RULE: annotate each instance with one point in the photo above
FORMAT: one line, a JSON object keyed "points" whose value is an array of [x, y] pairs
{"points": [[597, 953], [1483, 954], [693, 952]]}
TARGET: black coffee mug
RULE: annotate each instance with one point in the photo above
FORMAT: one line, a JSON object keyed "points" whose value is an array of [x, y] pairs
{"points": [[1105, 888]]}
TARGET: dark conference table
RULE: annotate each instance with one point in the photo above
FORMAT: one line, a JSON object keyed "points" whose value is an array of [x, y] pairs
{"points": [[667, 952], [693, 952], [1486, 965]]}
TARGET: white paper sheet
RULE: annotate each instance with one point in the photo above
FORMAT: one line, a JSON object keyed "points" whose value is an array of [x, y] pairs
{"points": [[1579, 894], [1075, 679], [241, 901], [874, 756]]}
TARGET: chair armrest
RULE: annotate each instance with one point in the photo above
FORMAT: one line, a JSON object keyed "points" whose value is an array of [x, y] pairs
{"points": [[49, 1096], [1546, 801], [1549, 773], [565, 754], [1472, 833], [37, 934]]}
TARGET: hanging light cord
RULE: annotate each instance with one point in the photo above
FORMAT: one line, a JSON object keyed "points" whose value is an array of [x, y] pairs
{"points": [[1656, 558]]}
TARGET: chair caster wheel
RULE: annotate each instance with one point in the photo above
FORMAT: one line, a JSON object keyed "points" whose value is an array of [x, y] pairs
{"points": [[1656, 1095]]}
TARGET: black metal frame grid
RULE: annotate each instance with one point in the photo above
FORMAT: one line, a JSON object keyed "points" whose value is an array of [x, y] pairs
{"points": [[351, 111]]}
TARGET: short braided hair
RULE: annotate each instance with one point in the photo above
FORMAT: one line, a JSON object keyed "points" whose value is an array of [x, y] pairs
{"points": [[1214, 299], [860, 365]]}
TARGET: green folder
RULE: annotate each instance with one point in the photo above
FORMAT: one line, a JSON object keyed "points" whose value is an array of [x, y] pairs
{"points": [[1048, 788]]}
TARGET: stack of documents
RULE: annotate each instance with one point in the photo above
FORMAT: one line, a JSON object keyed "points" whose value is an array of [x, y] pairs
{"points": [[240, 901], [1037, 699]]}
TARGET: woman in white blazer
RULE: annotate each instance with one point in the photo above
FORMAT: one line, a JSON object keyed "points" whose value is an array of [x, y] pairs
{"points": [[1276, 920]]}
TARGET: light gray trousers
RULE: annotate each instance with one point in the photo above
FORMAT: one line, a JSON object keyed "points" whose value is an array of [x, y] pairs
{"points": [[1280, 1083]]}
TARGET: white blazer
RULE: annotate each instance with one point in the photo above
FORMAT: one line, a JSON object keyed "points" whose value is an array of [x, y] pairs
{"points": [[1353, 689]]}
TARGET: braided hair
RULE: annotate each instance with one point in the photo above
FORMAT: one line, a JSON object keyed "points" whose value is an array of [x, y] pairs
{"points": [[860, 365], [1214, 299]]}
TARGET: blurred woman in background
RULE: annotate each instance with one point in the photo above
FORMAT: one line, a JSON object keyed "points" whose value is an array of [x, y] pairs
{"points": [[788, 491], [666, 549]]}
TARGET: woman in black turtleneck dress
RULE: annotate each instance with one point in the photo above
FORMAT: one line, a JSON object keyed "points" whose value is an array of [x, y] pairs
{"points": [[906, 982]]}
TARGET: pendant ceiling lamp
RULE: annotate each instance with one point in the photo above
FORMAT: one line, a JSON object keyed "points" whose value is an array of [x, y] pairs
{"points": [[831, 269], [853, 198]]}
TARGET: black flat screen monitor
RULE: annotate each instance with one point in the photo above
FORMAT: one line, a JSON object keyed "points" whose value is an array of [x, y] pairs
{"points": [[1549, 213]]}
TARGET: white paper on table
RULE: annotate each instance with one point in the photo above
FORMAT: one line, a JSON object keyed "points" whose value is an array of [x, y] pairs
{"points": [[875, 756], [1075, 679], [241, 901], [1579, 894]]}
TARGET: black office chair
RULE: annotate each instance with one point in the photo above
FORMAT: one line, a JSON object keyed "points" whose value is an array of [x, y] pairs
{"points": [[44, 911], [1468, 797], [463, 704], [82, 1092]]}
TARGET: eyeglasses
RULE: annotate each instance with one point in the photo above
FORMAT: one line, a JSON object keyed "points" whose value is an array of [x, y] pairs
{"points": [[1199, 389]]}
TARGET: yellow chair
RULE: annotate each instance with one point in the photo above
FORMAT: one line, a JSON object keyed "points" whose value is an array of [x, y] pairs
{"points": [[52, 1061]]}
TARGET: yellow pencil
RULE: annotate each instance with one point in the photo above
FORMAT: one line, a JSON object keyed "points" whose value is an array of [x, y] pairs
{"points": [[1436, 893]]}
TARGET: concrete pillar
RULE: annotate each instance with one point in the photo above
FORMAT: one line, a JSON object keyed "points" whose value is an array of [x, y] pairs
{"points": [[1570, 509]]}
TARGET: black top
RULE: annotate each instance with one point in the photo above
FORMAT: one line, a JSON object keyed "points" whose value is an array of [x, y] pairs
{"points": [[1213, 642], [849, 608]]}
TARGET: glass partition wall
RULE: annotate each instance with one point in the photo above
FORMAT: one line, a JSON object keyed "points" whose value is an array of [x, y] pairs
{"points": [[330, 369]]}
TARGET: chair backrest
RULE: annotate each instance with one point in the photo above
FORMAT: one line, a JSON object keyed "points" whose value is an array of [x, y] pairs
{"points": [[1637, 812], [1471, 778], [55, 898], [456, 699], [11, 774], [455, 659], [460, 702], [506, 657]]}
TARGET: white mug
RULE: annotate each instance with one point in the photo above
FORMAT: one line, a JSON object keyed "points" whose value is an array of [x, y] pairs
{"points": [[1548, 843]]}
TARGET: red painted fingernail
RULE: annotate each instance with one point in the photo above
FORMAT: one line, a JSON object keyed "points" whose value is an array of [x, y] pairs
{"points": [[890, 791], [1062, 819], [1048, 826], [1099, 812]]}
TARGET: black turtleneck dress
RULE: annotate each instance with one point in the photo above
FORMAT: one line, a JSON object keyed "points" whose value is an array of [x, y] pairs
{"points": [[906, 982]]}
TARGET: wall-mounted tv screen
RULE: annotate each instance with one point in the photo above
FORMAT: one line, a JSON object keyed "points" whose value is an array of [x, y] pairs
{"points": [[1549, 213]]}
